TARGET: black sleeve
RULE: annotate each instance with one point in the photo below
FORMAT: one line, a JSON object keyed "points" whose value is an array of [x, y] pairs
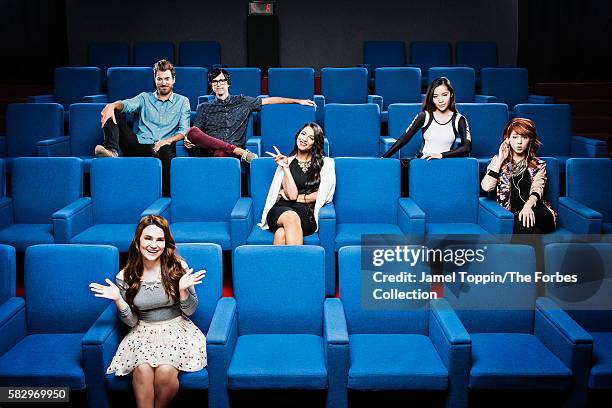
{"points": [[415, 126], [200, 117], [466, 140]]}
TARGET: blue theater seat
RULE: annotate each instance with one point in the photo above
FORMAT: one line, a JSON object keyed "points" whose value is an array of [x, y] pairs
{"points": [[41, 186], [191, 82], [146, 54], [397, 85], [401, 116], [281, 340], [476, 54], [379, 54], [406, 345], [206, 204], [261, 174], [213, 316], [517, 342], [9, 303], [353, 130], [125, 83], [245, 81], [108, 54], [296, 83], [444, 199], [427, 54], [40, 344], [122, 191], [554, 126], [463, 80], [205, 54]]}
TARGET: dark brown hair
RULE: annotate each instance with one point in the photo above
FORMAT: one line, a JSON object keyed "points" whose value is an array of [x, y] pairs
{"points": [[164, 65], [429, 105], [171, 268], [313, 175], [524, 127]]}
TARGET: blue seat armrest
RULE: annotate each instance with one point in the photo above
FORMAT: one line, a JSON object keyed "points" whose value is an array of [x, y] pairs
{"points": [[6, 211], [254, 144], [452, 328], [241, 221], [484, 98], [378, 100], [181, 150], [161, 206], [578, 218], [411, 208], [319, 101], [326, 146], [220, 344], [494, 218], [101, 98], [588, 147], [562, 321], [328, 211], [223, 326], [334, 322], [385, 144], [72, 219], [55, 147], [41, 99], [540, 99], [410, 217], [12, 323], [205, 98]]}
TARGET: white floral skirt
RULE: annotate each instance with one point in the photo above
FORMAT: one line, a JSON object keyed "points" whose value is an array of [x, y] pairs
{"points": [[177, 342]]}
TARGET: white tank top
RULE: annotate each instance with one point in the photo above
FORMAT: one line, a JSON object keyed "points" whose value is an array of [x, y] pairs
{"points": [[439, 138]]}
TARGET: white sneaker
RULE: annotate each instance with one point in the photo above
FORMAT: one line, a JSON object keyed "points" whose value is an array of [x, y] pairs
{"points": [[101, 151]]}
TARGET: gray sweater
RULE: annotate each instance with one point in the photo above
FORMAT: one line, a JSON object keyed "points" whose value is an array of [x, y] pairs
{"points": [[154, 305]]}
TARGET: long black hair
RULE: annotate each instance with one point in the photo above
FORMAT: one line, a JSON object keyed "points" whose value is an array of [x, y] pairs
{"points": [[428, 103], [313, 175]]}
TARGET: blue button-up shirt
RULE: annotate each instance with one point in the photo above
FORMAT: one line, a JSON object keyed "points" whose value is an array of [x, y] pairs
{"points": [[227, 120], [158, 119]]}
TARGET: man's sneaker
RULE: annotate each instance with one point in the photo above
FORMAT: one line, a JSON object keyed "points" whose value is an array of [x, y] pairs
{"points": [[102, 151], [248, 155]]}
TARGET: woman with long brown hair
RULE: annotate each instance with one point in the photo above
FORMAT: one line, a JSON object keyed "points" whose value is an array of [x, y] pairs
{"points": [[154, 294], [519, 178]]}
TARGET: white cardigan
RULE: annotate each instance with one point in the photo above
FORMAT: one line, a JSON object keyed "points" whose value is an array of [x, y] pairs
{"points": [[324, 195]]}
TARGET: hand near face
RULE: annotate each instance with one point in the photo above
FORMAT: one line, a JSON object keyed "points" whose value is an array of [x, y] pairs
{"points": [[279, 158], [504, 150], [108, 292], [190, 279]]}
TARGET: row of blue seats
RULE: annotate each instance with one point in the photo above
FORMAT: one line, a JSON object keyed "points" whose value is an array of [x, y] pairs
{"points": [[493, 337], [351, 130], [47, 205], [338, 85]]}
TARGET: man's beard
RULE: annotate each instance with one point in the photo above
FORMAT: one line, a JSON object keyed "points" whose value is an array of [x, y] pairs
{"points": [[166, 92]]}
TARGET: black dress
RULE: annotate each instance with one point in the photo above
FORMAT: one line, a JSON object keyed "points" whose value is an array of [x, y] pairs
{"points": [[303, 210], [520, 186]]}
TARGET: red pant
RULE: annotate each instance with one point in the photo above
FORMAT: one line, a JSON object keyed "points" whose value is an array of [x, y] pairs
{"points": [[218, 147]]}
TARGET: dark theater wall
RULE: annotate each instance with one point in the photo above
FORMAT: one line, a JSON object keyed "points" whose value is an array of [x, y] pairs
{"points": [[312, 33]]}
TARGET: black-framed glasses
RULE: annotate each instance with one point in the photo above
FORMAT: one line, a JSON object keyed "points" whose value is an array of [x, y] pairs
{"points": [[218, 81]]}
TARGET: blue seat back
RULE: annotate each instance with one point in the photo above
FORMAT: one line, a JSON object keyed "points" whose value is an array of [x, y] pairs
{"points": [[122, 188], [398, 85], [430, 54], [463, 80], [476, 54], [146, 54], [291, 82], [71, 84], [85, 130], [554, 126], [108, 54], [56, 281], [344, 85], [8, 277], [191, 82], [43, 185], [510, 85], [199, 54], [401, 116], [207, 257], [2, 178], [362, 317], [274, 298], [384, 54], [127, 82], [204, 189], [377, 184], [486, 122], [588, 301], [280, 123], [446, 190], [29, 123], [589, 181], [494, 307], [245, 81], [261, 175], [353, 130]]}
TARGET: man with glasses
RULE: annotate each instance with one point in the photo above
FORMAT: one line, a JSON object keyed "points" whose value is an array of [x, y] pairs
{"points": [[163, 119], [220, 125]]}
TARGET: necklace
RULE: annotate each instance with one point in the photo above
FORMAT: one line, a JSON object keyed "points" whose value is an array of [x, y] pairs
{"points": [[516, 184], [304, 165], [518, 168]]}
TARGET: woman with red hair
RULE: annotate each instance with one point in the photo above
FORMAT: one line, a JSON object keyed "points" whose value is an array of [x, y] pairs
{"points": [[519, 178]]}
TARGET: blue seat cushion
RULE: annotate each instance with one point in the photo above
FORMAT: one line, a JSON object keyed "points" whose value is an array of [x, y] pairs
{"points": [[22, 236], [215, 232], [280, 361], [515, 361], [557, 236], [601, 372], [350, 234], [259, 236], [197, 380], [395, 362], [459, 228], [119, 235], [38, 360]]}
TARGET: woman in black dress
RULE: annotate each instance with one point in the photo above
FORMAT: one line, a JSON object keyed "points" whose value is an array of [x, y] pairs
{"points": [[303, 183]]}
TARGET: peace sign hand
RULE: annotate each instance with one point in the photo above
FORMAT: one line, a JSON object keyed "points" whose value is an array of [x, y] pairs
{"points": [[109, 292], [279, 158], [190, 279]]}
